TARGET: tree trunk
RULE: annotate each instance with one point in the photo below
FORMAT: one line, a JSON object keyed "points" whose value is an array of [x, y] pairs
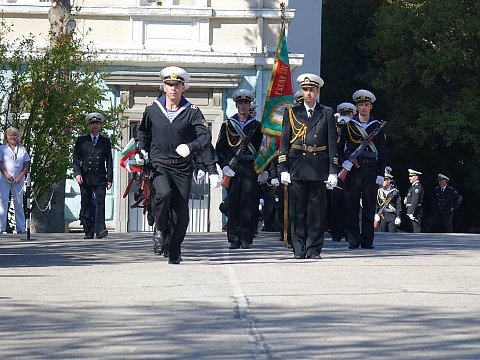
{"points": [[49, 220]]}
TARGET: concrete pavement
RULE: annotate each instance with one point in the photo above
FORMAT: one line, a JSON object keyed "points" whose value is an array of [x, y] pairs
{"points": [[415, 296]]}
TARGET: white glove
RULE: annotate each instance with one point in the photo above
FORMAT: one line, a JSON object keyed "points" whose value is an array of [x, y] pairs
{"points": [[145, 154], [347, 165], [183, 150], [379, 180], [262, 202], [332, 180], [275, 182], [200, 176], [376, 217], [411, 217], [329, 187], [398, 221], [139, 160], [262, 177], [405, 201], [227, 171], [285, 178], [214, 180]]}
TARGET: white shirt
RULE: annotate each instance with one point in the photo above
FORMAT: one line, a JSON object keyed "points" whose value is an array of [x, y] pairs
{"points": [[13, 160]]}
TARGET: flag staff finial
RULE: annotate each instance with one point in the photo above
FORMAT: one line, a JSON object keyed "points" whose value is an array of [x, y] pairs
{"points": [[282, 10]]}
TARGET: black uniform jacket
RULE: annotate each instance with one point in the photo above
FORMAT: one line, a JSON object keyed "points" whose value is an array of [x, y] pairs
{"points": [[93, 162], [350, 138], [308, 146], [446, 200], [228, 140], [160, 138]]}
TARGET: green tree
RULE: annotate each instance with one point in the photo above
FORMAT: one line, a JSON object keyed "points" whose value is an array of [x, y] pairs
{"points": [[46, 94], [426, 56]]}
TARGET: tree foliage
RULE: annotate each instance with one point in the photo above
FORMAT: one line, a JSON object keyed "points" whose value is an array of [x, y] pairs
{"points": [[46, 94]]}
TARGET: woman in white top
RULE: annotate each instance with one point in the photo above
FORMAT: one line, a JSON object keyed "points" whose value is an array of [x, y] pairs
{"points": [[14, 164]]}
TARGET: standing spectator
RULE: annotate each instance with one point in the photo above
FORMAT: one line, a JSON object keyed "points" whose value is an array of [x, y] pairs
{"points": [[170, 131], [307, 150], [93, 170], [447, 199], [388, 215], [362, 182], [14, 164], [243, 191], [414, 200]]}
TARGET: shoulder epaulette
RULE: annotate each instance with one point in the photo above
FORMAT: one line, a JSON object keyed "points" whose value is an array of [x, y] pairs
{"points": [[325, 107]]}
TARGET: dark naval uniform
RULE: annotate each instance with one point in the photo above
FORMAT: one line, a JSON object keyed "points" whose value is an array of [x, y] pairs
{"points": [[94, 163], [413, 203], [243, 192], [360, 182], [172, 174], [391, 211], [307, 149], [446, 200]]}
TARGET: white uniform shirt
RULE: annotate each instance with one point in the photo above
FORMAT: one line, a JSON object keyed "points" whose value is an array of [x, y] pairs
{"points": [[13, 160]]}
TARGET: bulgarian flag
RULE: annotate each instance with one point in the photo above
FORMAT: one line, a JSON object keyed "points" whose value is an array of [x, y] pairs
{"points": [[129, 150], [279, 97]]}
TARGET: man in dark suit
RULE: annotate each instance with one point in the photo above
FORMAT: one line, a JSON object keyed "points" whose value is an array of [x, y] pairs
{"points": [[307, 149], [93, 170], [413, 201], [447, 199]]}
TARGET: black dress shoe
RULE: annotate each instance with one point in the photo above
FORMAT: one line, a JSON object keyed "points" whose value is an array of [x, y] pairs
{"points": [[245, 245], [102, 234], [88, 236], [234, 246], [299, 256], [175, 262], [353, 246], [158, 249], [314, 256]]}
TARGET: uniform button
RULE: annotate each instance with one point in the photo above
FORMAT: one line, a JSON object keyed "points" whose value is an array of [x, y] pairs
{"points": [[304, 154], [315, 135]]}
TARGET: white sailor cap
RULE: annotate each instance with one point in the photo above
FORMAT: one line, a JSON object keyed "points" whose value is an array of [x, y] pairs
{"points": [[253, 107], [309, 80], [388, 176], [94, 116], [442, 177], [346, 107], [298, 96], [413, 172], [243, 94], [363, 96], [388, 169], [174, 75]]}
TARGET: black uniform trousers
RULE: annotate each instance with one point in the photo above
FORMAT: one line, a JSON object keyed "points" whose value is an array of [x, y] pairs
{"points": [[172, 185], [360, 184], [337, 212], [86, 192], [307, 216], [243, 199], [388, 223], [445, 217]]}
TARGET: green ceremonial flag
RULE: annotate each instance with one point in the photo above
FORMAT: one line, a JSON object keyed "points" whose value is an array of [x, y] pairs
{"points": [[279, 97]]}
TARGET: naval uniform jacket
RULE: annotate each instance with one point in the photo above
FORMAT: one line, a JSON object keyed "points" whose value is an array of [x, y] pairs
{"points": [[307, 146], [395, 205], [446, 200], [93, 162], [160, 137], [414, 200], [350, 138]]}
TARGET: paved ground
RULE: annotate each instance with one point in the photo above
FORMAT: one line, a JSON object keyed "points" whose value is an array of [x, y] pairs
{"points": [[415, 296]]}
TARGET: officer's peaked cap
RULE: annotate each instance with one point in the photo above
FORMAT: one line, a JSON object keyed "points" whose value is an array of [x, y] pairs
{"points": [[412, 172], [363, 96], [309, 80], [174, 74], [94, 116], [345, 107], [243, 94], [442, 177]]}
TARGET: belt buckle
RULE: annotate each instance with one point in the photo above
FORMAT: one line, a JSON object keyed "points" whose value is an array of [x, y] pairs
{"points": [[310, 148], [173, 161]]}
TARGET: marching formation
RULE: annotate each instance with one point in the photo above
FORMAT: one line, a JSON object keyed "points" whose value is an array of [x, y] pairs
{"points": [[330, 174]]}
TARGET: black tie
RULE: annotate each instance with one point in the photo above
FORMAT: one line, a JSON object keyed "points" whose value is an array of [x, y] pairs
{"points": [[310, 113], [94, 140]]}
